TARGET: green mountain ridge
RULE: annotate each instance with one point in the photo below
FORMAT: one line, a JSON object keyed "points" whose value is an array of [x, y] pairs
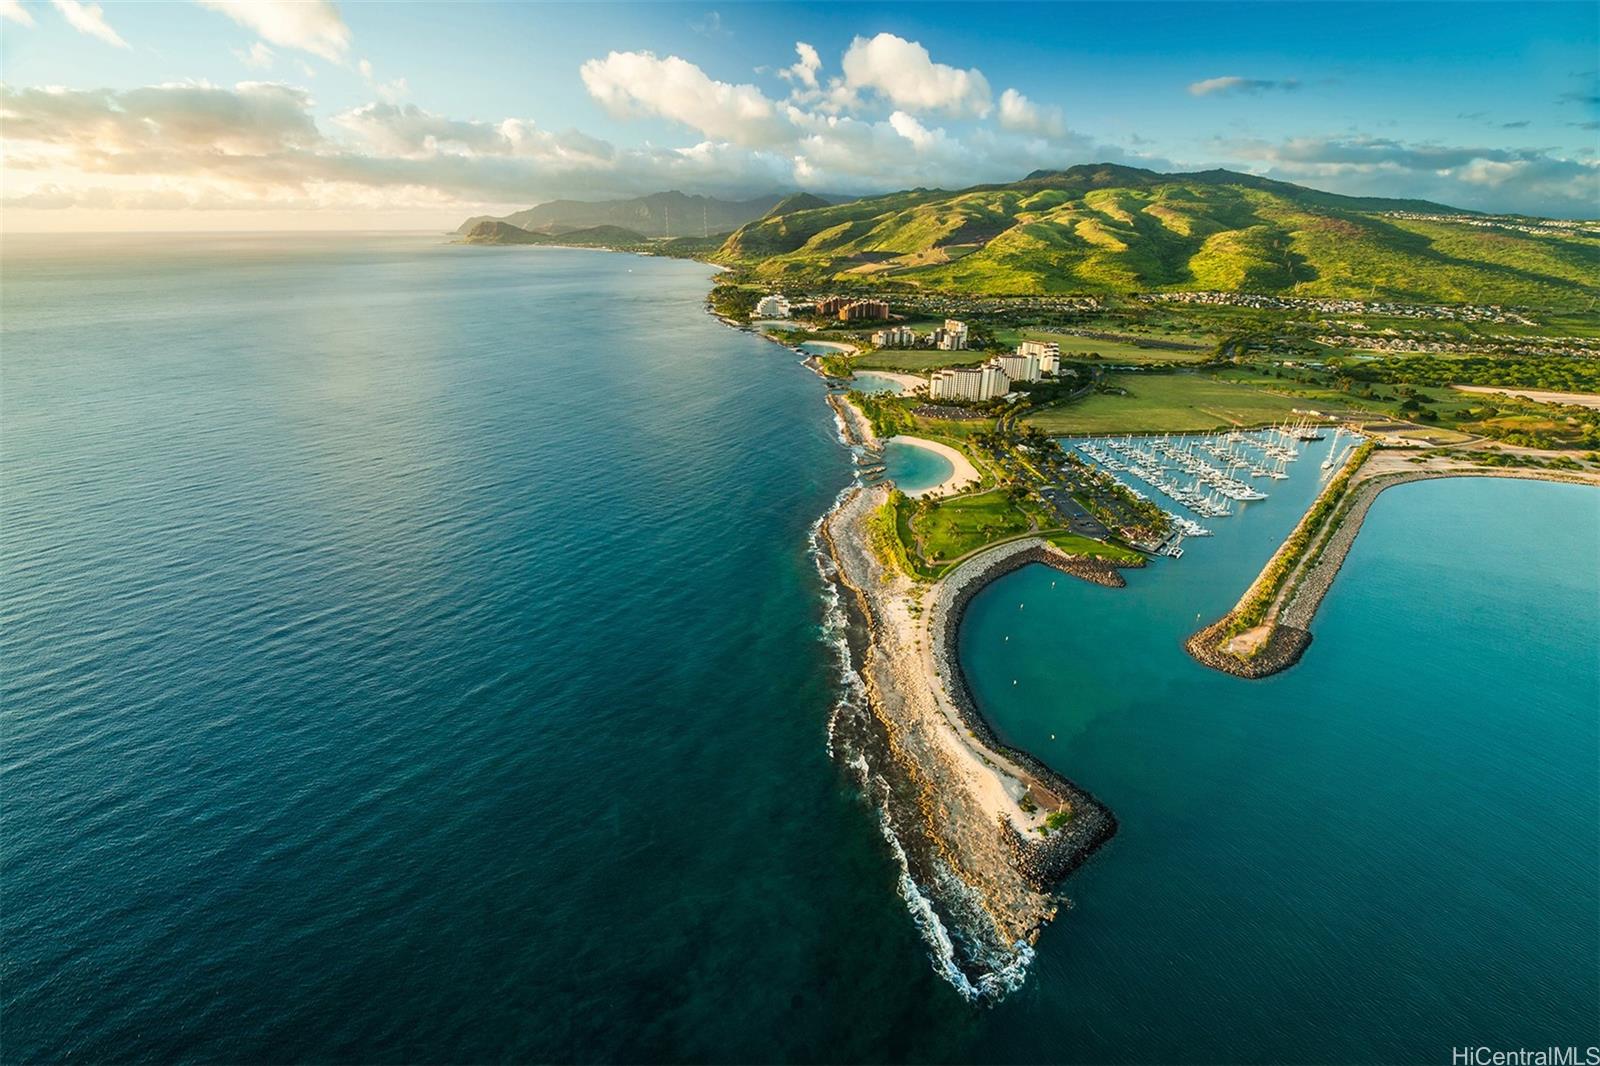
{"points": [[662, 214], [1110, 229], [498, 231]]}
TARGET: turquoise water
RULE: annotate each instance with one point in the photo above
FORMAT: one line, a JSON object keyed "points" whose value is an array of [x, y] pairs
{"points": [[823, 347], [867, 381], [395, 672], [1384, 852], [914, 468]]}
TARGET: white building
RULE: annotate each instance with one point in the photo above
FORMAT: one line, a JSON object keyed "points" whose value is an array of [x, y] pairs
{"points": [[1048, 353], [976, 384], [772, 306], [894, 337], [952, 337], [1020, 367]]}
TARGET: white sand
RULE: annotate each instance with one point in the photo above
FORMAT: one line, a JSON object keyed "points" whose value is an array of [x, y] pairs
{"points": [[908, 382], [964, 473]]}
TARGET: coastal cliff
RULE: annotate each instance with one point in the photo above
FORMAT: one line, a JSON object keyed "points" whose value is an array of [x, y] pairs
{"points": [[987, 831]]}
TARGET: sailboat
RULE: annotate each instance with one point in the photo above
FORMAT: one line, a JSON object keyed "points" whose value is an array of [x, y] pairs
{"points": [[1327, 464]]}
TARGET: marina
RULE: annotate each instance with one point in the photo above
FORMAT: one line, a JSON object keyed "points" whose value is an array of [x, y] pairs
{"points": [[1204, 476]]}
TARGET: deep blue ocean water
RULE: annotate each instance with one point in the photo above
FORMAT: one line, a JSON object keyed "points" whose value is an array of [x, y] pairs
{"points": [[411, 653]]}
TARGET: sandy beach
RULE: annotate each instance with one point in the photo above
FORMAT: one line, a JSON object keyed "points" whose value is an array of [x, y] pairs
{"points": [[907, 382], [963, 473]]}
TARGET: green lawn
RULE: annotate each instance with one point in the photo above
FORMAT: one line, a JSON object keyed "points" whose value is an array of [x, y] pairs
{"points": [[915, 360], [1073, 544], [953, 527], [1074, 347], [1177, 403]]}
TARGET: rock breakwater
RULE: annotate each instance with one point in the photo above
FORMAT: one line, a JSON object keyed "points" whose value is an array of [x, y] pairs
{"points": [[1046, 859]]}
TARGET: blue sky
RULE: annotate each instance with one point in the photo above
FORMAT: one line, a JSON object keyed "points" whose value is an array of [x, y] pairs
{"points": [[257, 113]]}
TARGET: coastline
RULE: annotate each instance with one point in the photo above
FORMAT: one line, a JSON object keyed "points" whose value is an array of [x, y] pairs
{"points": [[1284, 634], [964, 814], [908, 382], [962, 473], [983, 810]]}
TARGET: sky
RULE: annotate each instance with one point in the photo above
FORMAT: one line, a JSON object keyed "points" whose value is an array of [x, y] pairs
{"points": [[269, 114]]}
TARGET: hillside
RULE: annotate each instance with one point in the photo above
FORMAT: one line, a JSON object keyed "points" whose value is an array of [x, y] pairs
{"points": [[1114, 229], [495, 231], [662, 214]]}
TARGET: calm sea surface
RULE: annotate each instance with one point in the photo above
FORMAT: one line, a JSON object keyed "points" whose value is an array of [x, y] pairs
{"points": [[411, 652]]}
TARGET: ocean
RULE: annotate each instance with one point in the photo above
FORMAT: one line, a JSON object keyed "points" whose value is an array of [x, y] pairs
{"points": [[414, 652]]}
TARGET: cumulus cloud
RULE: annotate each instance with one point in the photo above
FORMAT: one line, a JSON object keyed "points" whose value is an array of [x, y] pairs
{"points": [[89, 19], [313, 26], [638, 83], [804, 71], [1019, 113], [906, 75], [1234, 84], [13, 11]]}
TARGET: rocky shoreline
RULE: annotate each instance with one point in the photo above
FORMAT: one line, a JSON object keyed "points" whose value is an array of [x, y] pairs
{"points": [[1283, 649], [971, 823]]}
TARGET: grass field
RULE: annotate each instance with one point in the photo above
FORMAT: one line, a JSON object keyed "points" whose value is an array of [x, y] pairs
{"points": [[915, 360], [1166, 403], [1073, 544], [1075, 347], [956, 526]]}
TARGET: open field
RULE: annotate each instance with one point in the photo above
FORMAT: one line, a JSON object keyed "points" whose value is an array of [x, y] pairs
{"points": [[955, 526], [1110, 351], [1166, 403], [1099, 549], [915, 360]]}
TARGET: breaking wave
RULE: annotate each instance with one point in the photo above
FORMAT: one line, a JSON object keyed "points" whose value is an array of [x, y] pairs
{"points": [[977, 971]]}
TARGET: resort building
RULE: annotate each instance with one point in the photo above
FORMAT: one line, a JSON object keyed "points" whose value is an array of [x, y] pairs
{"points": [[1020, 367], [864, 309], [951, 337], [772, 306], [977, 384], [1048, 353], [894, 337], [829, 306]]}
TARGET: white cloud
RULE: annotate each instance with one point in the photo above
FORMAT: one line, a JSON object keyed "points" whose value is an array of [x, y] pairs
{"points": [[258, 56], [89, 19], [13, 11], [920, 136], [1235, 84], [1022, 115], [804, 71], [313, 26], [908, 77], [633, 83]]}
